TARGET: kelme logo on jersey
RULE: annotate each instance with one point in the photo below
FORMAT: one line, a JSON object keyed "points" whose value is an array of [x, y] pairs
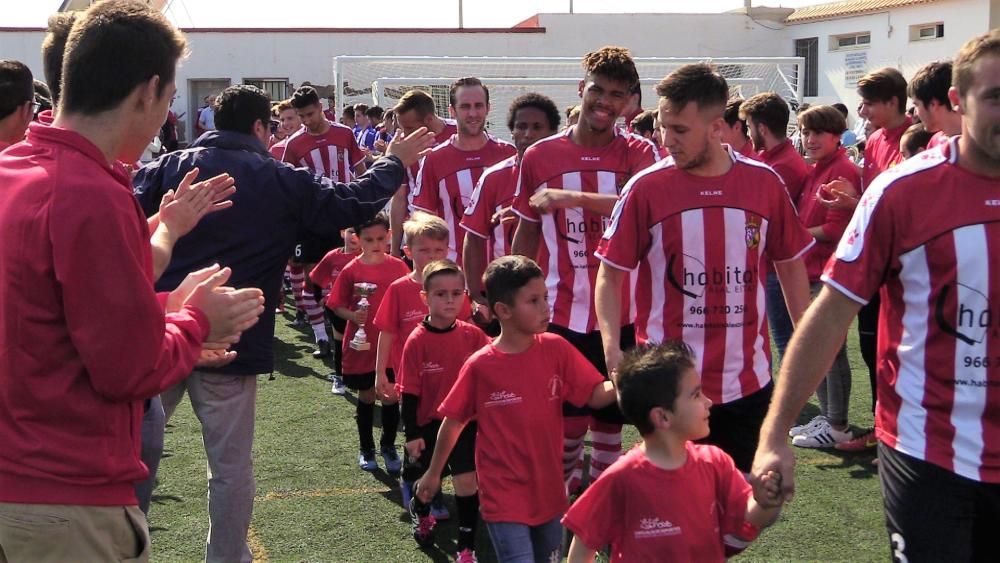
{"points": [[689, 275], [974, 317]]}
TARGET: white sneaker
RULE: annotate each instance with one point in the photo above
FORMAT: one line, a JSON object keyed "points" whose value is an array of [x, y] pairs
{"points": [[822, 436], [338, 385], [807, 427]]}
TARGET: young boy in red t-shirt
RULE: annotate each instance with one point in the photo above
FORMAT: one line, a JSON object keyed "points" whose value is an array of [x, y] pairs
{"points": [[432, 357], [323, 276], [403, 309], [668, 499], [514, 387], [374, 266]]}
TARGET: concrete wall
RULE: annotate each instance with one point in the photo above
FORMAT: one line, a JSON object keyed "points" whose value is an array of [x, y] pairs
{"points": [[890, 42]]}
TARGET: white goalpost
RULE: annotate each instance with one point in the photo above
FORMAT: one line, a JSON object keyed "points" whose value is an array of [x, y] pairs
{"points": [[382, 80]]}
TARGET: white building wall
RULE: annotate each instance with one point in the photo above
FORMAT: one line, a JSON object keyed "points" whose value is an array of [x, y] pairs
{"points": [[890, 42], [308, 56]]}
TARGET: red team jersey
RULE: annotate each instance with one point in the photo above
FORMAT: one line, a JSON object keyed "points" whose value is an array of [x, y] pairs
{"points": [[570, 236], [327, 270], [333, 154], [882, 152], [450, 129], [647, 513], [698, 244], [517, 400], [748, 150], [937, 140], [494, 192], [360, 362], [789, 165], [433, 361], [446, 180], [813, 214], [402, 310], [924, 233]]}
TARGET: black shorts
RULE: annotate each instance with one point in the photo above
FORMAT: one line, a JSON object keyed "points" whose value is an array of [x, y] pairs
{"points": [[462, 458], [311, 249], [735, 426], [366, 381], [868, 316], [592, 348], [338, 324], [933, 514]]}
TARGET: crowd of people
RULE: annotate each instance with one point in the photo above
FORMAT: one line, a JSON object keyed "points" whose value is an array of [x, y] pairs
{"points": [[500, 300]]}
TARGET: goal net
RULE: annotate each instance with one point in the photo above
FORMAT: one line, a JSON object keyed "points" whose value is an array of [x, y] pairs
{"points": [[382, 80]]}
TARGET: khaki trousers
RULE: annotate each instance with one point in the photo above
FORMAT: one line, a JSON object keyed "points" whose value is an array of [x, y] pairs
{"points": [[54, 533]]}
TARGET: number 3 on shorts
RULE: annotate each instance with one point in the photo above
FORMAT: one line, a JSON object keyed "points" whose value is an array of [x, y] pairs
{"points": [[898, 546]]}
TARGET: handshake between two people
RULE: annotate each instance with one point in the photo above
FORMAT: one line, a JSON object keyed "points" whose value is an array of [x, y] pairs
{"points": [[230, 311]]}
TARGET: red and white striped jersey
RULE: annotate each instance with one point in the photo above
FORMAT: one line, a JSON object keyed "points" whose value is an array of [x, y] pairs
{"points": [[450, 129], [925, 234], [570, 236], [446, 180], [699, 245], [495, 191], [333, 154]]}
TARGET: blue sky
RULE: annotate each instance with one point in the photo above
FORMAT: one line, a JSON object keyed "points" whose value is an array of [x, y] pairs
{"points": [[390, 13]]}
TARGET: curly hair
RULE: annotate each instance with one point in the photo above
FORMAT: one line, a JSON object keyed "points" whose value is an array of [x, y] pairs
{"points": [[612, 62], [538, 101]]}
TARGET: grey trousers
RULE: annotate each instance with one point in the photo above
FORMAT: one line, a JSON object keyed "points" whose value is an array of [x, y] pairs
{"points": [[834, 391], [225, 405]]}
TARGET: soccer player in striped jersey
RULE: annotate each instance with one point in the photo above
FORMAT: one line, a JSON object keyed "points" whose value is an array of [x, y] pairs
{"points": [[928, 90], [413, 111], [449, 173], [695, 228], [568, 184], [923, 236], [330, 150], [489, 217]]}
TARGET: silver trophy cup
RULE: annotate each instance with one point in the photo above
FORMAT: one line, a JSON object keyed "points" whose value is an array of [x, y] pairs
{"points": [[362, 290]]}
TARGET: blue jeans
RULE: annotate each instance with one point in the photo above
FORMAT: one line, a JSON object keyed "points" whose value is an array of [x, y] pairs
{"points": [[777, 314], [520, 543]]}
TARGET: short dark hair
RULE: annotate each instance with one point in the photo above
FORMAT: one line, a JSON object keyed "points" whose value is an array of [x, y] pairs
{"points": [[360, 109], [17, 86], [637, 91], [379, 219], [883, 85], [930, 83], [974, 49], [732, 114], [915, 138], [769, 109], [468, 81], [841, 108], [53, 50], [823, 119], [643, 123], [505, 276], [538, 101], [304, 96], [347, 112], [443, 267], [375, 112], [415, 100], [113, 47], [238, 107], [614, 63], [648, 377], [700, 83]]}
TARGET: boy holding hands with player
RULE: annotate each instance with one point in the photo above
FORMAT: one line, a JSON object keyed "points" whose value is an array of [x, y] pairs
{"points": [[514, 387], [432, 357], [635, 506]]}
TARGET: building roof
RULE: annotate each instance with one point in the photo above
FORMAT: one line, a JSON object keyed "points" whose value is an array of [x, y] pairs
{"points": [[844, 8]]}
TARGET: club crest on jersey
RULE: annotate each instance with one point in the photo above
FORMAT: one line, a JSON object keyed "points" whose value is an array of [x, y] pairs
{"points": [[752, 235]]}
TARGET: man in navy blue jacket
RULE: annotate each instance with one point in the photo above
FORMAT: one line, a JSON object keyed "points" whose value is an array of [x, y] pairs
{"points": [[274, 203]]}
